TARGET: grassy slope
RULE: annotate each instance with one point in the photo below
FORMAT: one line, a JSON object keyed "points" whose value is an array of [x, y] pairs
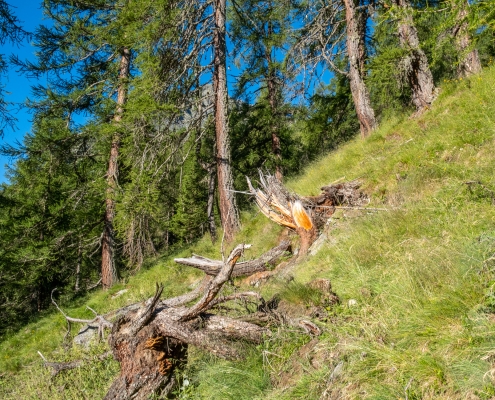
{"points": [[421, 276]]}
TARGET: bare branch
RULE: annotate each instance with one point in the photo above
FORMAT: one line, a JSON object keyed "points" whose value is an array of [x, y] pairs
{"points": [[186, 298], [216, 284], [145, 314], [213, 267], [58, 367], [98, 320]]}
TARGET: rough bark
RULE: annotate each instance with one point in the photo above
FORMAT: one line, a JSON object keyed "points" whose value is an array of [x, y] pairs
{"points": [[228, 208], [78, 268], [210, 206], [307, 239], [109, 271], [356, 53], [362, 19], [470, 63], [210, 168], [210, 210], [272, 99], [415, 64]]}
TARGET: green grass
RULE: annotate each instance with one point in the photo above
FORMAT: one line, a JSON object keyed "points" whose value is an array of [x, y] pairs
{"points": [[422, 325]]}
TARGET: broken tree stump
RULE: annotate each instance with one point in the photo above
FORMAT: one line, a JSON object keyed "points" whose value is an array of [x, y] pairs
{"points": [[304, 215], [284, 208]]}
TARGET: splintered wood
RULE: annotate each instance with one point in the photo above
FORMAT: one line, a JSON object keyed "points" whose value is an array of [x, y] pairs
{"points": [[286, 208], [305, 215], [274, 201]]}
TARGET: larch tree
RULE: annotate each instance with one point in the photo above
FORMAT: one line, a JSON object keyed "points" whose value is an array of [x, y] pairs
{"points": [[260, 33], [86, 60], [228, 208], [356, 53], [415, 63], [337, 29], [108, 269]]}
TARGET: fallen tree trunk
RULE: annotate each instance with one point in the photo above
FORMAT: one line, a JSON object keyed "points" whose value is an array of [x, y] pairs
{"points": [[151, 339], [213, 267]]}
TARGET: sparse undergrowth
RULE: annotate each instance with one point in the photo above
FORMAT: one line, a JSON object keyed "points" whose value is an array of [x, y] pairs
{"points": [[417, 282]]}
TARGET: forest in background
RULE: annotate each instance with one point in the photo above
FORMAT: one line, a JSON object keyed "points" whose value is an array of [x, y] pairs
{"points": [[136, 146]]}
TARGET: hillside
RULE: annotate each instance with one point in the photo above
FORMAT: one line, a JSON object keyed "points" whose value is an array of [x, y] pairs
{"points": [[416, 282]]}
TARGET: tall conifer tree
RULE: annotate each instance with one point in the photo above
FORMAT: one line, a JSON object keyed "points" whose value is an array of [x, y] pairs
{"points": [[325, 38], [260, 32], [85, 57], [228, 207]]}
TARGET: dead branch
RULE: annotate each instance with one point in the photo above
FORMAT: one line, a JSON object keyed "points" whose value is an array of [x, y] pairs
{"points": [[186, 298], [213, 267], [99, 320], [235, 296], [234, 329], [58, 367], [150, 342], [144, 315], [216, 284], [309, 327], [150, 339]]}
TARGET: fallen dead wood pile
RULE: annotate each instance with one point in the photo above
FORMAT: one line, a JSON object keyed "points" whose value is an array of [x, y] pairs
{"points": [[345, 194], [150, 339], [305, 215]]}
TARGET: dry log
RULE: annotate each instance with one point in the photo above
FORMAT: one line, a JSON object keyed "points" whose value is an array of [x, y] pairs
{"points": [[212, 267], [151, 342], [215, 285], [151, 339]]}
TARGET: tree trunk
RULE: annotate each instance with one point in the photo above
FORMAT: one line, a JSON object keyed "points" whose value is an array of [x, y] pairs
{"points": [[272, 98], [109, 271], [78, 268], [212, 228], [276, 147], [362, 19], [355, 52], [416, 66], [470, 63], [228, 208]]}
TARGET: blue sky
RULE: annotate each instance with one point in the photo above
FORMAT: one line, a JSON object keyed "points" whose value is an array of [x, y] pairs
{"points": [[18, 86]]}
